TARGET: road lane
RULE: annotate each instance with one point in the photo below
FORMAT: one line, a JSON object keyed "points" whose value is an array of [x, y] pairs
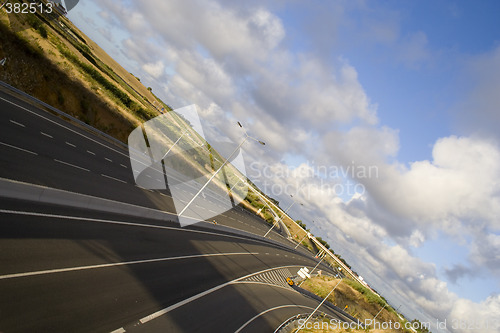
{"points": [[106, 297]]}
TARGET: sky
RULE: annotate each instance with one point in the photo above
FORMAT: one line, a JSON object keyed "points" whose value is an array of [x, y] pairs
{"points": [[380, 117]]}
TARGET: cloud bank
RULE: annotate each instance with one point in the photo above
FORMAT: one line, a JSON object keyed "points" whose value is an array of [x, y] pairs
{"points": [[240, 61]]}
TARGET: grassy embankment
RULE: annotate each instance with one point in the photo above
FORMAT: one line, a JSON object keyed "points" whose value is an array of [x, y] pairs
{"points": [[358, 301]]}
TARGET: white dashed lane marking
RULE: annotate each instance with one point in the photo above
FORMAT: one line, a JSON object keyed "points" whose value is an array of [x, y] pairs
{"points": [[113, 178], [16, 123], [47, 135], [71, 165]]}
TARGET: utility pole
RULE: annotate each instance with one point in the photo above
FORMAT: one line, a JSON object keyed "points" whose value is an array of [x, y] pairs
{"points": [[278, 221]]}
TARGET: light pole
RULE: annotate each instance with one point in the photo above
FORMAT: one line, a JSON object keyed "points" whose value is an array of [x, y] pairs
{"points": [[380, 311], [323, 301], [163, 158], [1, 6], [296, 246], [307, 235], [257, 192], [221, 167], [278, 221], [175, 143], [314, 268]]}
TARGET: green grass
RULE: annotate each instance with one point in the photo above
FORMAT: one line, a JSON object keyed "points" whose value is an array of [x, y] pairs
{"points": [[122, 97], [370, 297]]}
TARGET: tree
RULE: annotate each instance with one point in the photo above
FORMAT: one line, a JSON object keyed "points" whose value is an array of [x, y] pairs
{"points": [[342, 259], [302, 225], [322, 241]]}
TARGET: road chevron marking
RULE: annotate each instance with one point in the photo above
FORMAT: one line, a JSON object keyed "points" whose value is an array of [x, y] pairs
{"points": [[204, 293], [124, 263]]}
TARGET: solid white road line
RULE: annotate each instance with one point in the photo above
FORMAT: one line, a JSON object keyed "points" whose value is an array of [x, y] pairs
{"points": [[124, 263], [131, 224], [16, 123], [21, 149], [71, 165], [269, 310]]}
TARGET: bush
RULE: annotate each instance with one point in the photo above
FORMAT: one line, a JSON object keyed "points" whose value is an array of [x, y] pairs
{"points": [[36, 24], [33, 21], [42, 31]]}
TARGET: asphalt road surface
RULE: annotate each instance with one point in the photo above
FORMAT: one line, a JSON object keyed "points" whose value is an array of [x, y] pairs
{"points": [[68, 269]]}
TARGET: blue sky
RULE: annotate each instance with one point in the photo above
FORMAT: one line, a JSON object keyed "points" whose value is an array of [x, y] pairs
{"points": [[407, 87]]}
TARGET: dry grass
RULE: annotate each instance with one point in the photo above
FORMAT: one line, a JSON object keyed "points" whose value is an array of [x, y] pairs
{"points": [[354, 302]]}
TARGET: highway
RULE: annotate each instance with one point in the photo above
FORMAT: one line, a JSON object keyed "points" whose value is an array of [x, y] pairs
{"points": [[40, 148], [69, 269]]}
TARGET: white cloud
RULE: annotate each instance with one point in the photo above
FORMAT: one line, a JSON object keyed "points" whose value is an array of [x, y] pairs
{"points": [[460, 183], [417, 238], [154, 69], [468, 316], [485, 251]]}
